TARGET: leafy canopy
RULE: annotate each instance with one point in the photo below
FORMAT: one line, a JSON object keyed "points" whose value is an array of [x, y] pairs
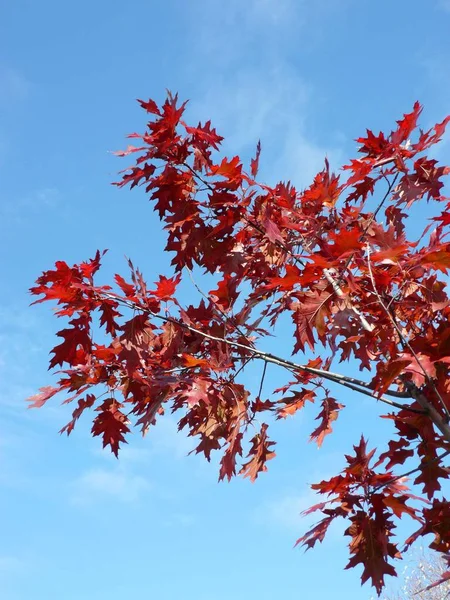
{"points": [[336, 258]]}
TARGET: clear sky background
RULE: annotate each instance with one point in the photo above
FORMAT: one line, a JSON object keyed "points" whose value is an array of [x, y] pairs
{"points": [[305, 77]]}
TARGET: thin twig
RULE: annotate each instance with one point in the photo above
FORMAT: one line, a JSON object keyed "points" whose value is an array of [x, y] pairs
{"points": [[368, 225], [335, 284], [422, 465], [262, 380], [266, 356], [216, 306], [403, 341]]}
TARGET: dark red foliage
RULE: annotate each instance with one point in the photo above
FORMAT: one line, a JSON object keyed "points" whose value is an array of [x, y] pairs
{"points": [[338, 259]]}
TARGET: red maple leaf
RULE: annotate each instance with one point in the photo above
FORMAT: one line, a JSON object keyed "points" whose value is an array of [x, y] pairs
{"points": [[328, 414], [111, 424], [338, 265], [259, 454]]}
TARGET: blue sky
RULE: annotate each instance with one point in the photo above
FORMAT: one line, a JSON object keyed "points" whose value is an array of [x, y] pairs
{"points": [[304, 77]]}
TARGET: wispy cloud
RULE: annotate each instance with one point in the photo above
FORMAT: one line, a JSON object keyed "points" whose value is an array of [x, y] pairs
{"points": [[164, 438], [21, 210], [179, 520], [22, 345], [285, 511], [11, 564], [14, 86], [262, 96], [274, 11], [117, 484], [273, 105], [444, 5]]}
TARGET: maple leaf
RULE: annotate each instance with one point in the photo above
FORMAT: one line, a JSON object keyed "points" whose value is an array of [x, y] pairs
{"points": [[309, 313], [432, 136], [295, 254], [260, 453], [436, 521], [150, 106], [325, 190], [287, 282], [328, 414], [440, 259], [205, 134], [197, 392], [345, 243], [272, 231], [387, 373], [127, 288], [45, 393], [254, 163], [109, 315], [165, 287], [398, 505], [83, 403], [371, 548], [291, 404], [111, 424], [76, 336], [192, 361], [234, 448], [226, 293], [316, 533], [231, 169], [375, 146], [406, 125]]}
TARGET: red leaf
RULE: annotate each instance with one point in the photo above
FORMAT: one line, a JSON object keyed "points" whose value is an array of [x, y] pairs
{"points": [[38, 400], [165, 287], [398, 505], [439, 259], [111, 424], [254, 164], [126, 288], [197, 392], [406, 125], [292, 404], [328, 414], [317, 533], [75, 337], [272, 231], [271, 251], [150, 106], [226, 293], [371, 548], [260, 453], [387, 373], [291, 277], [230, 169], [228, 462]]}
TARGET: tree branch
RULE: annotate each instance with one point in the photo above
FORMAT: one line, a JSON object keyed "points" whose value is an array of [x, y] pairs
{"points": [[345, 381], [436, 417], [412, 471]]}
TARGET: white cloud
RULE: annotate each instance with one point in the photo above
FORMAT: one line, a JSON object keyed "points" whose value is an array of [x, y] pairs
{"points": [[164, 438], [14, 86], [273, 12], [21, 210], [252, 96], [444, 5], [179, 520], [271, 104], [129, 454], [10, 564], [285, 511], [97, 484]]}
